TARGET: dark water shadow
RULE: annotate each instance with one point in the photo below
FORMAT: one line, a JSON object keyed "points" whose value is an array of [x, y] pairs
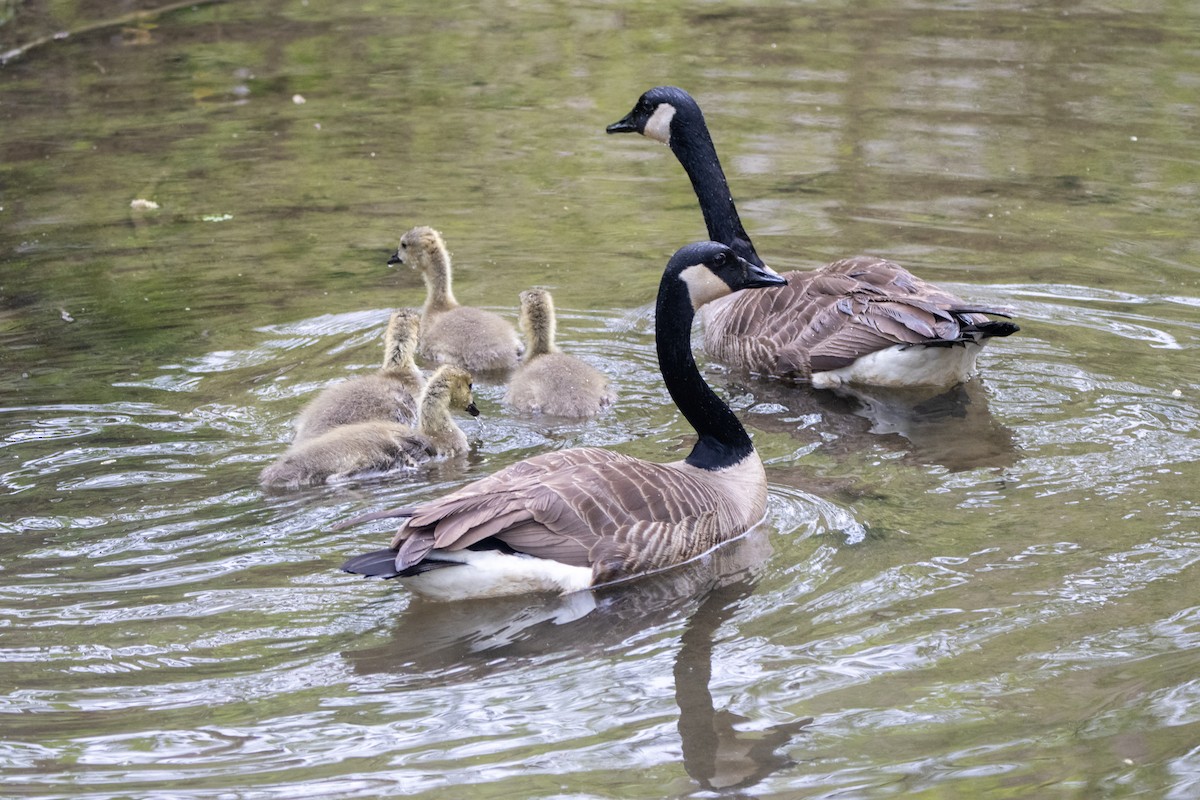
{"points": [[952, 428], [716, 754], [452, 642]]}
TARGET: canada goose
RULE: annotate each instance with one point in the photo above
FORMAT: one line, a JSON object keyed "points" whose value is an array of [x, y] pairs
{"points": [[389, 395], [861, 320], [573, 519], [472, 338], [379, 445], [548, 381]]}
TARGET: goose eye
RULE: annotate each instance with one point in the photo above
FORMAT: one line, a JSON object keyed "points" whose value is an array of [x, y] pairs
{"points": [[720, 260]]}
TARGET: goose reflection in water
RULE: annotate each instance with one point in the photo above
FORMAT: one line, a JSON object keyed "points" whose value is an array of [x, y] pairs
{"points": [[715, 753], [476, 640], [953, 428]]}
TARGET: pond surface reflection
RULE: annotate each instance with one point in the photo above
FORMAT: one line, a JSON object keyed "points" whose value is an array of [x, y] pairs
{"points": [[983, 592]]}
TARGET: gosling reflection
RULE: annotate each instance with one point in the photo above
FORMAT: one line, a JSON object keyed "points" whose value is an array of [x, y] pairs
{"points": [[452, 642]]}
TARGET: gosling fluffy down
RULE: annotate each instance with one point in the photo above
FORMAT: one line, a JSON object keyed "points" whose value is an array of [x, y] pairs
{"points": [[379, 446], [472, 338], [389, 395], [549, 381]]}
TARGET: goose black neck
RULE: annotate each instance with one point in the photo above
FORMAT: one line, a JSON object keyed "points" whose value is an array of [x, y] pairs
{"points": [[693, 146], [723, 441]]}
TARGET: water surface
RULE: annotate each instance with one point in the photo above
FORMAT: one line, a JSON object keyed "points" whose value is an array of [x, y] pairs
{"points": [[983, 594]]}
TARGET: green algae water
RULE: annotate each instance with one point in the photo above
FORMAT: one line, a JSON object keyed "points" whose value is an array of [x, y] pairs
{"points": [[990, 593]]}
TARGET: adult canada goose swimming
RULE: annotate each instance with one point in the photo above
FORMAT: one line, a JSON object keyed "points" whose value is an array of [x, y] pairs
{"points": [[472, 338], [377, 445], [549, 381], [861, 320], [389, 395], [573, 519]]}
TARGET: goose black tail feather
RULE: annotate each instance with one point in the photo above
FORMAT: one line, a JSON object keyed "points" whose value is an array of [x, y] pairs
{"points": [[382, 564], [995, 328], [376, 564]]}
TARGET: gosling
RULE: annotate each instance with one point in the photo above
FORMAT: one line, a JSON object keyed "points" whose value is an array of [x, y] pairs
{"points": [[389, 395], [379, 446], [549, 381], [472, 338]]}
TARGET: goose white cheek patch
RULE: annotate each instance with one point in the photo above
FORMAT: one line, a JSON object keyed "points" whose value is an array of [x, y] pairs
{"points": [[703, 285], [658, 127]]}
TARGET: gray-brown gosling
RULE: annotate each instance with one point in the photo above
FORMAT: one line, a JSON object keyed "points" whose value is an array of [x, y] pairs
{"points": [[472, 338], [549, 381], [389, 395], [379, 446]]}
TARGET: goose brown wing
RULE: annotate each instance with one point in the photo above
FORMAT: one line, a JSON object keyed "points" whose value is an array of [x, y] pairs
{"points": [[860, 324], [749, 328], [753, 329], [582, 507], [830, 317], [646, 546], [896, 283]]}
